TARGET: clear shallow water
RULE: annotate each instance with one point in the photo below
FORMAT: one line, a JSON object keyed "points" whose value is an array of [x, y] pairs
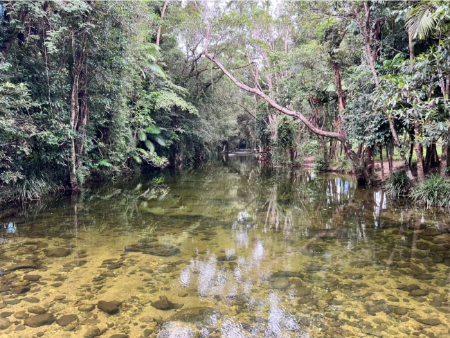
{"points": [[227, 250]]}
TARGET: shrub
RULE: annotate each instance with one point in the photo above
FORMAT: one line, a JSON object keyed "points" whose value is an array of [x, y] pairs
{"points": [[31, 188], [320, 164], [344, 165], [434, 191], [310, 148], [397, 185]]}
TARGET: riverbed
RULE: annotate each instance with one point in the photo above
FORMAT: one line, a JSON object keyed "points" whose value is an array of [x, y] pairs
{"points": [[228, 249]]}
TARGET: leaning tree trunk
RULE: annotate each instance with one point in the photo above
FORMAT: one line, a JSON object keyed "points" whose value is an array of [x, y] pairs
{"points": [[358, 164]]}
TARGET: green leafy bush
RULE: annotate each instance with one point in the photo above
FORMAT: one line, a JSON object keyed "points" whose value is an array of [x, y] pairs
{"points": [[434, 191], [397, 185], [320, 164], [310, 148], [344, 165]]}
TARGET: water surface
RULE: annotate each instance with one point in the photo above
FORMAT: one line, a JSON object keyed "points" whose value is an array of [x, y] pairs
{"points": [[226, 250]]}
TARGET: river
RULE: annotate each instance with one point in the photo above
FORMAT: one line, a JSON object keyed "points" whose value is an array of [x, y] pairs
{"points": [[229, 249]]}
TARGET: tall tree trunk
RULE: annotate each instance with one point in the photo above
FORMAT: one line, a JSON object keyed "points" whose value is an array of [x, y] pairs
{"points": [[419, 152], [406, 166], [78, 112], [340, 91], [411, 151], [444, 160], [389, 152], [158, 34], [381, 161], [370, 30], [74, 108], [369, 160]]}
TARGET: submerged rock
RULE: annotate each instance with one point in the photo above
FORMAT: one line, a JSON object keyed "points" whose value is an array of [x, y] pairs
{"points": [[32, 278], [86, 307], [192, 315], [227, 258], [109, 307], [27, 264], [92, 332], [37, 310], [21, 315], [164, 304], [163, 250], [430, 231], [4, 323], [401, 310], [418, 293], [66, 319], [58, 252], [4, 287], [303, 291], [40, 320], [279, 283], [428, 321]]}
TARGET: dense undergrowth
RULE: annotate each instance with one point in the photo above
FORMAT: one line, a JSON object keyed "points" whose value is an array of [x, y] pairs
{"points": [[434, 191]]}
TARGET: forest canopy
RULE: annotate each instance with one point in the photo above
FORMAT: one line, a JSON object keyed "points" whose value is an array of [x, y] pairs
{"points": [[98, 89]]}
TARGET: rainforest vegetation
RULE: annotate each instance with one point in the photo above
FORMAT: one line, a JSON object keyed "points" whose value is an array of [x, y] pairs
{"points": [[95, 90]]}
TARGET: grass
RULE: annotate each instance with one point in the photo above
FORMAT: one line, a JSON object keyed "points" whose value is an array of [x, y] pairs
{"points": [[31, 188], [397, 185], [433, 192]]}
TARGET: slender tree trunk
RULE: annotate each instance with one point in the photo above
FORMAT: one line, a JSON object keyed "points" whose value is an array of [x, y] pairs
{"points": [[340, 91], [158, 34], [406, 167], [389, 154], [444, 161], [370, 30], [427, 158], [419, 152], [411, 151], [381, 161], [74, 108]]}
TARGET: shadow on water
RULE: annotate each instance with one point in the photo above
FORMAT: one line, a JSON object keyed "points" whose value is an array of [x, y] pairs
{"points": [[229, 249]]}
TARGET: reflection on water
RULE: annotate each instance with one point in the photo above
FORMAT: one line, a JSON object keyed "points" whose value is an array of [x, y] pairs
{"points": [[229, 250]]}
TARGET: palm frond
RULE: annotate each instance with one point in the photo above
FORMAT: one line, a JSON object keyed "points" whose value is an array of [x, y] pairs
{"points": [[422, 20]]}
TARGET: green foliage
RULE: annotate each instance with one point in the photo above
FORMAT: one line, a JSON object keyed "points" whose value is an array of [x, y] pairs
{"points": [[310, 148], [30, 188], [344, 165], [433, 192], [320, 164], [397, 185]]}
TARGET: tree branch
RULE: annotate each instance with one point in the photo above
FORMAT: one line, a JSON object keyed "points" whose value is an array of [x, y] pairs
{"points": [[272, 102]]}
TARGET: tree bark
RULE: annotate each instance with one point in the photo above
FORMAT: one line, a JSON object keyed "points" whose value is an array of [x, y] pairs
{"points": [[370, 31], [358, 163], [74, 118], [444, 161], [419, 152], [381, 161], [158, 34]]}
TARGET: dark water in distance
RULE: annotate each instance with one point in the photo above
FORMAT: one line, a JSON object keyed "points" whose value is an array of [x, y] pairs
{"points": [[226, 250]]}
